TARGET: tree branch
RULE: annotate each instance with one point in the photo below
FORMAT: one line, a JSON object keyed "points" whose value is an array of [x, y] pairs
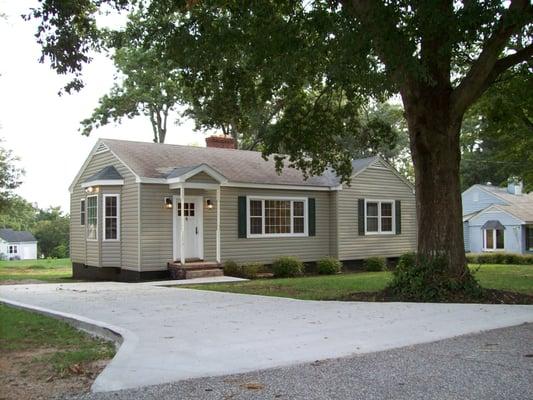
{"points": [[487, 66]]}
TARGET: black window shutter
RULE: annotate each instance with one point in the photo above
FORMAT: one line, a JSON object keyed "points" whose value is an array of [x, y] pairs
{"points": [[361, 216], [242, 216], [312, 218], [398, 209]]}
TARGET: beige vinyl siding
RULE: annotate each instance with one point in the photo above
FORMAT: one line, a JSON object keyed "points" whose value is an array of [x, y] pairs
{"points": [[377, 184], [201, 177], [333, 234], [265, 250], [100, 253]]}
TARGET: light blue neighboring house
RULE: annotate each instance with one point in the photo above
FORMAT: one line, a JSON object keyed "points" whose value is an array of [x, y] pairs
{"points": [[498, 219]]}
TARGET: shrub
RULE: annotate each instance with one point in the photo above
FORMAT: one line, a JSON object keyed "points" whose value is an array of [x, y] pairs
{"points": [[329, 266], [231, 268], [499, 258], [428, 280], [250, 271], [375, 264], [285, 267]]}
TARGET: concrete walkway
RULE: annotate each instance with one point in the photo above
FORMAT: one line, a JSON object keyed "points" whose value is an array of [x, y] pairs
{"points": [[172, 334]]}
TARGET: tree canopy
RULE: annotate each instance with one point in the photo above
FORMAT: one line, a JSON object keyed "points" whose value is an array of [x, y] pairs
{"points": [[314, 64]]}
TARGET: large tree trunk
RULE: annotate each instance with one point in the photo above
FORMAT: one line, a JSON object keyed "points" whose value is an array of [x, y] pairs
{"points": [[435, 147]]}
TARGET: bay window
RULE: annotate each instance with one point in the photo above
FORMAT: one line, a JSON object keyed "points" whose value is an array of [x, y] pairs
{"points": [[270, 217], [112, 217], [379, 216], [92, 217]]}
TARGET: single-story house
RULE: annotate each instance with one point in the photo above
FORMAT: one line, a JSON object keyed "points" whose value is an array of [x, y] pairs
{"points": [[135, 207], [17, 245], [498, 219]]}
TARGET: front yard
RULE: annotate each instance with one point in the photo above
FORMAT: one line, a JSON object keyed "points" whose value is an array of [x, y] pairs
{"points": [[34, 271], [41, 357], [513, 278]]}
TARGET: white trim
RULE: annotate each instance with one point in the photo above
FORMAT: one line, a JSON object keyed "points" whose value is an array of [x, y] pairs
{"points": [[213, 173], [103, 182], [87, 220], [84, 212], [485, 248], [499, 208], [218, 259], [195, 185], [199, 213], [393, 211], [250, 235], [119, 219], [276, 186]]}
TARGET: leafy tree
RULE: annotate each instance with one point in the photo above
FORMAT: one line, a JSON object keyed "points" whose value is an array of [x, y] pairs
{"points": [[148, 86], [497, 134], [52, 230], [18, 214], [10, 175], [319, 61]]}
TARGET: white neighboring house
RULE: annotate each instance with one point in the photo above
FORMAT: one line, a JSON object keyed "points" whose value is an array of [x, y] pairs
{"points": [[17, 245]]}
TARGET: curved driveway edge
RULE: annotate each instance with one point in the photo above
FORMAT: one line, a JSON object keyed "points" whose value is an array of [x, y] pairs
{"points": [[172, 334]]}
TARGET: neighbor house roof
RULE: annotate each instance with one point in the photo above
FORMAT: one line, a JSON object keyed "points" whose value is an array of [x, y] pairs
{"points": [[155, 160], [11, 236], [521, 206]]}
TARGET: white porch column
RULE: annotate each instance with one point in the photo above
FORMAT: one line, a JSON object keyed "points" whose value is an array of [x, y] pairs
{"points": [[218, 225], [182, 226]]}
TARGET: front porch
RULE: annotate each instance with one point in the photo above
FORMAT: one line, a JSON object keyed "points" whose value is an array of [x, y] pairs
{"points": [[189, 204]]}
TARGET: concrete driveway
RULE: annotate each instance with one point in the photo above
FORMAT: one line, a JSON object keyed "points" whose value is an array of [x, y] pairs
{"points": [[173, 334]]}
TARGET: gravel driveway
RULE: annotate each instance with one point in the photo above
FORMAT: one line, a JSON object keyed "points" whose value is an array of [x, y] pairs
{"points": [[175, 334], [493, 365]]}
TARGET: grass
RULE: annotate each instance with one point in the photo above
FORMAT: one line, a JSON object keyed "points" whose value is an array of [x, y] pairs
{"points": [[48, 270], [29, 332], [515, 278]]}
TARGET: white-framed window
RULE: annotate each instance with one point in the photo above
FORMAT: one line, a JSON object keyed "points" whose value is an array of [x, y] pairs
{"points": [[111, 217], [277, 216], [379, 217], [92, 217], [82, 212], [493, 239], [13, 249]]}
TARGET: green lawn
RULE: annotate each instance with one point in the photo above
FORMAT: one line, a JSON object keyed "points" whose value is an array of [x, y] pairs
{"points": [[517, 278], [57, 270], [26, 331]]}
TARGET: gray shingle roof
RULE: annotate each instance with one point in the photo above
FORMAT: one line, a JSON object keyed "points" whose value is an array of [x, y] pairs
{"points": [[155, 160], [520, 206], [108, 173], [11, 236]]}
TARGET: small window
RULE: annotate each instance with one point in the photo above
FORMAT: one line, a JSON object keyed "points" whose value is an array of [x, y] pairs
{"points": [[189, 209], [111, 217], [92, 217], [13, 249], [494, 239], [529, 238], [82, 212], [379, 216]]}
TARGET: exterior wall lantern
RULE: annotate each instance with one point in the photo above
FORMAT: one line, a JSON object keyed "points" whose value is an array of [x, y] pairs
{"points": [[168, 202], [209, 204]]}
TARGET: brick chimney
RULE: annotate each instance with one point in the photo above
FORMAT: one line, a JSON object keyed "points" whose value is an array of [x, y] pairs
{"points": [[222, 142]]}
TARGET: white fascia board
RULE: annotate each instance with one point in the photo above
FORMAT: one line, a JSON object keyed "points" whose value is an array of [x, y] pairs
{"points": [[103, 182], [201, 168], [275, 186], [194, 185], [86, 162], [495, 207]]}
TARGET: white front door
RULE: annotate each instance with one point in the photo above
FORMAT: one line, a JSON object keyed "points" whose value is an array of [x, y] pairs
{"points": [[193, 214]]}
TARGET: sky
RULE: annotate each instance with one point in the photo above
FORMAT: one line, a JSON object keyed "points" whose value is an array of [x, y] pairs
{"points": [[41, 127]]}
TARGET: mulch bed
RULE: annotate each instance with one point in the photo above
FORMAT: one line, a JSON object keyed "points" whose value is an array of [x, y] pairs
{"points": [[490, 296]]}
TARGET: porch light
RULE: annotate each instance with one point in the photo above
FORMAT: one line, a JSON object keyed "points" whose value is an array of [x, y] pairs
{"points": [[168, 202], [91, 189], [209, 204]]}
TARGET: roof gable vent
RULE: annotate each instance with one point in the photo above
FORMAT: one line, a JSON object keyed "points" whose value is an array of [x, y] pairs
{"points": [[102, 148]]}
